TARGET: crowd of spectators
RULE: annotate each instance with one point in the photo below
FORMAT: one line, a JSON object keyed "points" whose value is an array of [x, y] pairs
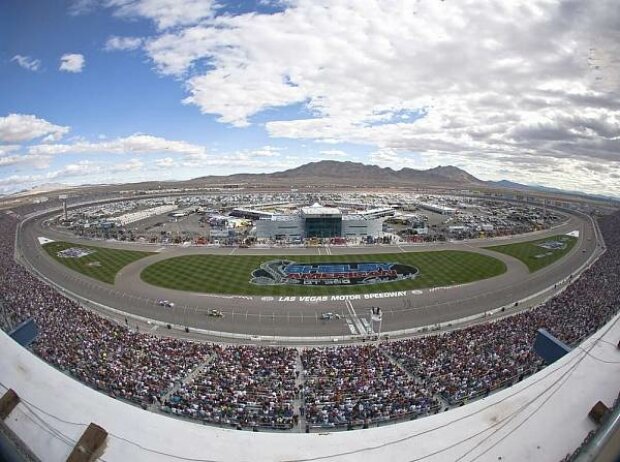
{"points": [[107, 356], [249, 384], [359, 385], [463, 364], [466, 363], [242, 386], [256, 386]]}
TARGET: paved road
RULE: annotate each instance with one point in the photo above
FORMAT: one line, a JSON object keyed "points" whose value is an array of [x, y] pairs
{"points": [[256, 316]]}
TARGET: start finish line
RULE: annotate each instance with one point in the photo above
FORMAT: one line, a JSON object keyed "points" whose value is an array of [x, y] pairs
{"points": [[341, 298]]}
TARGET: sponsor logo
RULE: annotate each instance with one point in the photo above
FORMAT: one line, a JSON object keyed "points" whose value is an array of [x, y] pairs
{"points": [[553, 245], [74, 252], [283, 272]]}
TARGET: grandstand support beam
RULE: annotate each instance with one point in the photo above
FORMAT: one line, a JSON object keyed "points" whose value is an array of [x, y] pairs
{"points": [[7, 403], [88, 447]]}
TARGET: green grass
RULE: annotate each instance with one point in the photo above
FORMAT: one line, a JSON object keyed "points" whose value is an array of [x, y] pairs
{"points": [[230, 274], [534, 256], [102, 264]]}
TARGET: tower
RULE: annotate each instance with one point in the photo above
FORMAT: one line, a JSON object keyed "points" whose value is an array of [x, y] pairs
{"points": [[63, 198]]}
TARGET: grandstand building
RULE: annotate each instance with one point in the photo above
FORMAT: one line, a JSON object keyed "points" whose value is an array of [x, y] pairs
{"points": [[250, 214], [317, 221], [437, 208]]}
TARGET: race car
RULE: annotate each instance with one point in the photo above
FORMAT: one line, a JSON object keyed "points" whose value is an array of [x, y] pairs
{"points": [[329, 315]]}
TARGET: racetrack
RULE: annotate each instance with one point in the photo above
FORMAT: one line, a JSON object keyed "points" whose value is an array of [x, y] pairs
{"points": [[294, 317]]}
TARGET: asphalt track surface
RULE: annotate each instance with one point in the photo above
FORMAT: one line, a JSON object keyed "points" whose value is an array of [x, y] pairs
{"points": [[257, 316]]}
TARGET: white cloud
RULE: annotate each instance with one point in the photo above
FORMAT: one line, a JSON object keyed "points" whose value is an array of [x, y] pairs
{"points": [[115, 43], [16, 128], [27, 62], [14, 182], [165, 13], [468, 80], [78, 7], [232, 163], [17, 131], [83, 167], [331, 153], [264, 159], [72, 62], [166, 162], [568, 174], [77, 172], [8, 148], [130, 165], [37, 161], [265, 151], [9, 160], [133, 144]]}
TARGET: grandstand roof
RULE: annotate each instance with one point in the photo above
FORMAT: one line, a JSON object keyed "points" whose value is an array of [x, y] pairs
{"points": [[544, 417], [317, 209], [260, 213]]}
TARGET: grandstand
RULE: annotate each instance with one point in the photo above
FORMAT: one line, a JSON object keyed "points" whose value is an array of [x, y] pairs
{"points": [[289, 390], [133, 217], [320, 222], [250, 214]]}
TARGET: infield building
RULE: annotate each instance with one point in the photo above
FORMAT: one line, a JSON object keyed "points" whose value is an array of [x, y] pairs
{"points": [[317, 221]]}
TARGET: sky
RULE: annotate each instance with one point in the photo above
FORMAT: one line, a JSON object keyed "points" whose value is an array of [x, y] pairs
{"points": [[114, 91]]}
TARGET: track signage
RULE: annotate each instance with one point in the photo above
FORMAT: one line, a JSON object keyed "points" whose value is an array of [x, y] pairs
{"points": [[287, 272]]}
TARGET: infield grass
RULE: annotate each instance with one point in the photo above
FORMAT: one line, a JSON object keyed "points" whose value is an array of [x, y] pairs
{"points": [[535, 256], [101, 264], [230, 274]]}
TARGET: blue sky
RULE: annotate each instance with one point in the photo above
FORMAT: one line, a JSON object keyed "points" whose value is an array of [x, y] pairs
{"points": [[163, 89]]}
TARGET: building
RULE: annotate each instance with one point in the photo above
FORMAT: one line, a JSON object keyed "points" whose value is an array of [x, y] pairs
{"points": [[382, 212], [280, 228], [437, 208], [360, 226], [250, 214], [319, 222]]}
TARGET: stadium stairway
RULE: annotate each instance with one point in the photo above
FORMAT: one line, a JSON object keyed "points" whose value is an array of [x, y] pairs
{"points": [[299, 402], [185, 381], [444, 405]]}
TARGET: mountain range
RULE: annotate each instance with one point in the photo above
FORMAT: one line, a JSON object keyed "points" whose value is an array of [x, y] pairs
{"points": [[354, 174], [332, 173]]}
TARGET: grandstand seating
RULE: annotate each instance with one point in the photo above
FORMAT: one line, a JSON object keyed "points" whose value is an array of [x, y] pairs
{"points": [[277, 388]]}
